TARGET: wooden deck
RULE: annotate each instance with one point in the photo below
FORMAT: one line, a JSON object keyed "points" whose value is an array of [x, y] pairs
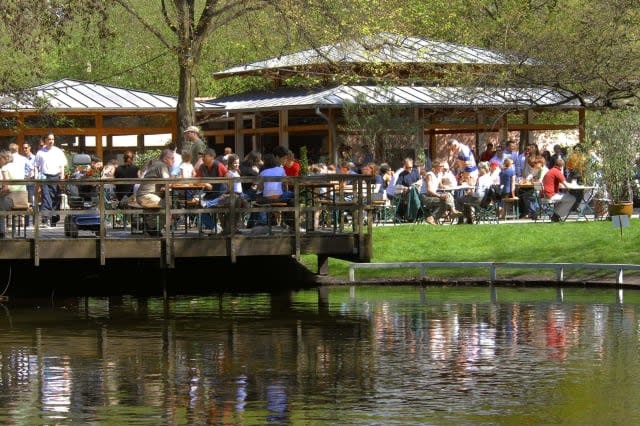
{"points": [[340, 232]]}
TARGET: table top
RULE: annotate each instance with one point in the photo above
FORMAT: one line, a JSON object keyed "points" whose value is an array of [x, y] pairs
{"points": [[187, 186], [525, 185], [580, 187], [455, 187]]}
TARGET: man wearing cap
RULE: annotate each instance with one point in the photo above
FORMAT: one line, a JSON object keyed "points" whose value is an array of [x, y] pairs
{"points": [[193, 143]]}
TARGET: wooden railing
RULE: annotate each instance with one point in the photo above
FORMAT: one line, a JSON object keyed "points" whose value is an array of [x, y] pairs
{"points": [[307, 203]]}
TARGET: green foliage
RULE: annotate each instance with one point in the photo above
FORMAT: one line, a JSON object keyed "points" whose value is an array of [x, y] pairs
{"points": [[614, 135], [142, 158], [382, 127], [304, 161]]}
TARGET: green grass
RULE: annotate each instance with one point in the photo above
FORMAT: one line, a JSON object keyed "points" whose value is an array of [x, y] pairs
{"points": [[572, 242]]}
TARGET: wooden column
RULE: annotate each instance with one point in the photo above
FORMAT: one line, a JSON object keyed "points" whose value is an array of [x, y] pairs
{"points": [[238, 138], [481, 139], [99, 134], [504, 129], [581, 123], [529, 119], [283, 123], [418, 115]]}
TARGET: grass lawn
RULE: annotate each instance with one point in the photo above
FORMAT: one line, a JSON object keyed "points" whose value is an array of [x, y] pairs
{"points": [[572, 242]]}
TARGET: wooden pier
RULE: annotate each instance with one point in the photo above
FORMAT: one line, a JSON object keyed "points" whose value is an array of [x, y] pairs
{"points": [[327, 218]]}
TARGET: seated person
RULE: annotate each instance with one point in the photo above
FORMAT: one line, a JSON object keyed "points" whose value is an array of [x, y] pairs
{"points": [[214, 194], [447, 178], [408, 179], [551, 182], [151, 195], [437, 202], [272, 192], [473, 197]]}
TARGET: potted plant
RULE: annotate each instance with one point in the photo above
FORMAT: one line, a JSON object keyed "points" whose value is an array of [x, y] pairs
{"points": [[613, 143]]}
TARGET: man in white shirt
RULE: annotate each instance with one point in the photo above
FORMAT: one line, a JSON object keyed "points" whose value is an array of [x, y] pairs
{"points": [[50, 163]]}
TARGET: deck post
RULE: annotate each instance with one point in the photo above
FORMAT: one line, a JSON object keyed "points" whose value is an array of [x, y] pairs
{"points": [[323, 264], [423, 271]]}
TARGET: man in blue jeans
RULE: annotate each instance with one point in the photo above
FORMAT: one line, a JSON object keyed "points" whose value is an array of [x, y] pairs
{"points": [[50, 162]]}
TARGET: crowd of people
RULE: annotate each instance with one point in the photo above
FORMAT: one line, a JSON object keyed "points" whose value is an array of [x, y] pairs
{"points": [[451, 188]]}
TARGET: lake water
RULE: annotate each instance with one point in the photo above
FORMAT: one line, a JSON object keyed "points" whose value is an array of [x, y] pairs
{"points": [[339, 355]]}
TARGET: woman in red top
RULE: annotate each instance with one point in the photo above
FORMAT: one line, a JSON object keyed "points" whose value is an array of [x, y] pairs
{"points": [[291, 165]]}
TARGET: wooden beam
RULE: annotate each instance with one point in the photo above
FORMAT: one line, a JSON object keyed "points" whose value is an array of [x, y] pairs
{"points": [[283, 133]]}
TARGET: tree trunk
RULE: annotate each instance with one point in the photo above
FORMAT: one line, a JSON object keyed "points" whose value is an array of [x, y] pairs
{"points": [[186, 95]]}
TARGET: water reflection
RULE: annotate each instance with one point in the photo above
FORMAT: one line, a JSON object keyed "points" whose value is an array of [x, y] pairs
{"points": [[339, 355]]}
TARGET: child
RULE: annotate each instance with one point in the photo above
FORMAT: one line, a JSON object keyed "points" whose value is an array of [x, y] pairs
{"points": [[187, 171]]}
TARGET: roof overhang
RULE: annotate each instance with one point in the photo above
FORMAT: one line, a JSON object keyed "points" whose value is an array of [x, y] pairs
{"points": [[415, 96], [80, 96]]}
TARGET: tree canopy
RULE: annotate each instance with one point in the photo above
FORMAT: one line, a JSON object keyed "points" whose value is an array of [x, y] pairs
{"points": [[589, 49]]}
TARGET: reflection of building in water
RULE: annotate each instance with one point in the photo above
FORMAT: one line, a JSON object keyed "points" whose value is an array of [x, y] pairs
{"points": [[56, 388], [235, 366], [600, 315]]}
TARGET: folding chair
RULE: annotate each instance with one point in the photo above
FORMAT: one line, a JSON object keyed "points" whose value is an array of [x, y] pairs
{"points": [[546, 206]]}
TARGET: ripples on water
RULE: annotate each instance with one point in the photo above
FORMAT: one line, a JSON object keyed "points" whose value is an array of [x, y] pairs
{"points": [[400, 355]]}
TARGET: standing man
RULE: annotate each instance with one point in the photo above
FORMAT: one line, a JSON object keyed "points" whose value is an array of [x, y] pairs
{"points": [[50, 163], [193, 143], [551, 182], [463, 158], [29, 173]]}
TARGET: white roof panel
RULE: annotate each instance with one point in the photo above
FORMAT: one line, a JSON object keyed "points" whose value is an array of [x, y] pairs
{"points": [[381, 48], [79, 95], [440, 97]]}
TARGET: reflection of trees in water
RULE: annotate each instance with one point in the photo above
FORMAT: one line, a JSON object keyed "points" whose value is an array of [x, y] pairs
{"points": [[253, 358]]}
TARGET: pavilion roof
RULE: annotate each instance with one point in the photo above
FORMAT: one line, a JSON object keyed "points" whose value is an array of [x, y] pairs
{"points": [[423, 96], [77, 95], [384, 48]]}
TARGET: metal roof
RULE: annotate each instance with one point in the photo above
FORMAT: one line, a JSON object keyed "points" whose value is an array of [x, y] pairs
{"points": [[381, 48], [423, 96], [76, 95]]}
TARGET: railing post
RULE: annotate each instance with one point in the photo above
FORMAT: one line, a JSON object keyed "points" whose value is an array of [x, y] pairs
{"points": [[423, 270], [352, 273], [560, 274], [620, 276], [493, 272]]}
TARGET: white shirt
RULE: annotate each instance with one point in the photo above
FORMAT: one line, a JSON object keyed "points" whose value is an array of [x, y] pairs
{"points": [[51, 161], [187, 170], [19, 162], [272, 188], [391, 188], [237, 185]]}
